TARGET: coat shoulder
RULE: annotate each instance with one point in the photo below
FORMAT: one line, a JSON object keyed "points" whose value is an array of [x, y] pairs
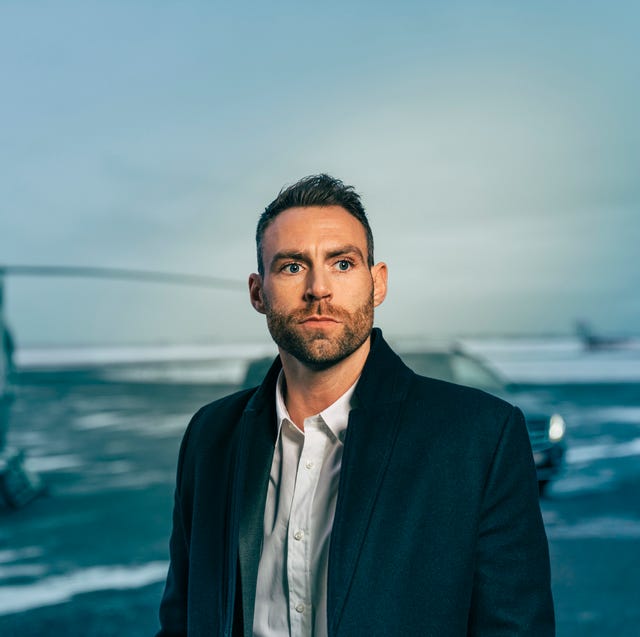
{"points": [[445, 392], [472, 412]]}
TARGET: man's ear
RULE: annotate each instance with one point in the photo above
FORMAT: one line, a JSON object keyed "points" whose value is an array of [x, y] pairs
{"points": [[255, 293], [379, 275]]}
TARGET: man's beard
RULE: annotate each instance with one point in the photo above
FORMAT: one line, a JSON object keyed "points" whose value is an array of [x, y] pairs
{"points": [[318, 349]]}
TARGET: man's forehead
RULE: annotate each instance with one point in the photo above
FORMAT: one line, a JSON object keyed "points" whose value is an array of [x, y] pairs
{"points": [[306, 225]]}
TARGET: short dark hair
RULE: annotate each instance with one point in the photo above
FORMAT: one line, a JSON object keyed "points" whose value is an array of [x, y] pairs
{"points": [[314, 190]]}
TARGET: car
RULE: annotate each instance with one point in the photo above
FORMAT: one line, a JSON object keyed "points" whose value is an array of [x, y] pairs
{"points": [[546, 427]]}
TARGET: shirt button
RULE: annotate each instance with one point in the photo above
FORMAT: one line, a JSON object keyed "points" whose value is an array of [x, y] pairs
{"points": [[299, 534], [309, 464], [300, 607]]}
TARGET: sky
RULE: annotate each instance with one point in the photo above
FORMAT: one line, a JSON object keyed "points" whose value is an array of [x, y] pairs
{"points": [[496, 146]]}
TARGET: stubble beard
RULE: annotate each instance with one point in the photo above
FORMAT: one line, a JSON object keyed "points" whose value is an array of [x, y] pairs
{"points": [[317, 349]]}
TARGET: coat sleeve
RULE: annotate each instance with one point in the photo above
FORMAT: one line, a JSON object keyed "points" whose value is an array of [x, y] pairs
{"points": [[173, 607], [512, 588]]}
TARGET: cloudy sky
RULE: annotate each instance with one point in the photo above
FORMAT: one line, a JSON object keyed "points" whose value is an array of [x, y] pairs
{"points": [[496, 146]]}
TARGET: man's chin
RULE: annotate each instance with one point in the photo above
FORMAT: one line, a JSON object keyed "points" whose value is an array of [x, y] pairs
{"points": [[320, 363], [320, 353]]}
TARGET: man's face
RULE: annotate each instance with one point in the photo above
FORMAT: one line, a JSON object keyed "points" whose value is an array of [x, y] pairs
{"points": [[317, 292]]}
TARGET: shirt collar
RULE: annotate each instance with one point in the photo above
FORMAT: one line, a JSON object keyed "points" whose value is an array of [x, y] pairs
{"points": [[335, 416]]}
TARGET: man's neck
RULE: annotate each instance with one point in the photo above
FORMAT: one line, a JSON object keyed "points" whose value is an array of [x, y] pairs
{"points": [[309, 391]]}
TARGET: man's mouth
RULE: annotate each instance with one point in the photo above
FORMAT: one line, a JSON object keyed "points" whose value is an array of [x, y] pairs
{"points": [[318, 319]]}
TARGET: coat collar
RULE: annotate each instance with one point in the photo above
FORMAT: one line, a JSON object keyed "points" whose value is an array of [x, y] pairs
{"points": [[384, 376]]}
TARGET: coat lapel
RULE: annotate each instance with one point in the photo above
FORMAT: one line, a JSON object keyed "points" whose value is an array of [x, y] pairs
{"points": [[371, 434], [260, 434]]}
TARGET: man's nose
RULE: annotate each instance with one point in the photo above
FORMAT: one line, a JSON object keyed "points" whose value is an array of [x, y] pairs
{"points": [[318, 285]]}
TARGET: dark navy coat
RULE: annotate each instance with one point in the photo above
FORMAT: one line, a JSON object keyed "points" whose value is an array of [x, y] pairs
{"points": [[437, 530]]}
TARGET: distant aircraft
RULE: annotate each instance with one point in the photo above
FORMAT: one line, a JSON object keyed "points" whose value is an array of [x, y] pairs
{"points": [[592, 341]]}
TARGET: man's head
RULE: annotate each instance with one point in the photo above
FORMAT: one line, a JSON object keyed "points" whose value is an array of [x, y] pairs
{"points": [[318, 285], [319, 191]]}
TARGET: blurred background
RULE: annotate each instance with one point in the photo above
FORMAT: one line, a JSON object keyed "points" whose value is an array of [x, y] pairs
{"points": [[496, 147]]}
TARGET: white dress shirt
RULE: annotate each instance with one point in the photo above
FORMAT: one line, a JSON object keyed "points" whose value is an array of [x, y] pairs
{"points": [[291, 592]]}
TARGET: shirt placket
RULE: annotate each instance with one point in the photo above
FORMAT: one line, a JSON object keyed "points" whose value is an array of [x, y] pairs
{"points": [[300, 542]]}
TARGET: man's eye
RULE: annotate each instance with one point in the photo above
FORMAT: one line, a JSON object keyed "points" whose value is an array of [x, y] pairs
{"points": [[343, 265], [292, 268]]}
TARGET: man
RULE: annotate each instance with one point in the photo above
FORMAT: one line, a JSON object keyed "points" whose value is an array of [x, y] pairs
{"points": [[346, 495]]}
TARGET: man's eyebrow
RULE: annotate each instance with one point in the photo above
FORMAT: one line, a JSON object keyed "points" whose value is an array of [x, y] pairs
{"points": [[346, 249], [294, 255]]}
